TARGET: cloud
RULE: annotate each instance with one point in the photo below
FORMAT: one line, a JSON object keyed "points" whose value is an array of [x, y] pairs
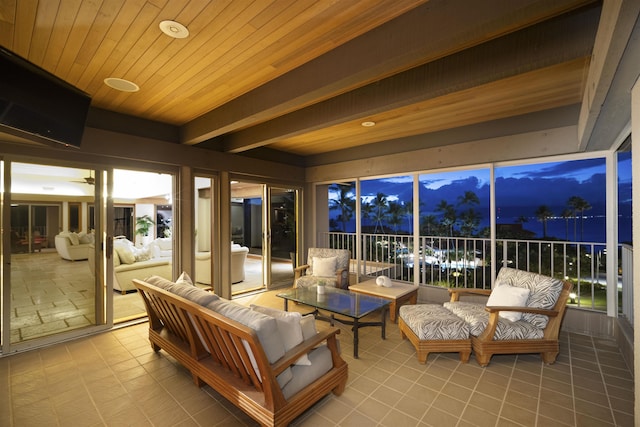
{"points": [[577, 169]]}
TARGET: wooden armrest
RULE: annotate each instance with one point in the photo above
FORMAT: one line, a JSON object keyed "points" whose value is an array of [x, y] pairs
{"points": [[457, 292], [532, 310], [342, 278], [299, 271], [301, 267], [303, 348]]}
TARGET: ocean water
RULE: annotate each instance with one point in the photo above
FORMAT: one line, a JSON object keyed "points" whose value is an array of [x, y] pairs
{"points": [[593, 229]]}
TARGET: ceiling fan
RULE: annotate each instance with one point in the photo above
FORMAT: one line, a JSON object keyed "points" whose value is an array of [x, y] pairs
{"points": [[88, 179]]}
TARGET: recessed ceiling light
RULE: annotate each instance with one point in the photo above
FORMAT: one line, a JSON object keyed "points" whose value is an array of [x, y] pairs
{"points": [[368, 124], [121, 84], [174, 29]]}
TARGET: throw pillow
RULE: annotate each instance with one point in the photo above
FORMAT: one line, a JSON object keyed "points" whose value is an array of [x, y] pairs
{"points": [[308, 324], [75, 240], [324, 267], [289, 326], [184, 279], [509, 296], [141, 254], [124, 249]]}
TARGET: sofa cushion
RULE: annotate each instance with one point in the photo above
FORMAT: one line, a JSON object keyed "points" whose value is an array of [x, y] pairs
{"points": [[141, 254], [86, 237], [434, 322], [140, 265], [161, 247], [509, 296], [289, 326], [124, 249], [265, 327], [74, 239], [544, 293], [324, 267], [304, 375], [477, 319], [308, 324], [192, 293], [184, 279], [306, 281]]}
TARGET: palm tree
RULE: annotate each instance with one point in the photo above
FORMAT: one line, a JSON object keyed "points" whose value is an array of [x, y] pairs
{"points": [[408, 212], [448, 216], [566, 214], [428, 224], [345, 203], [395, 213], [470, 218], [380, 205], [578, 204], [543, 213], [367, 210], [468, 198], [470, 221]]}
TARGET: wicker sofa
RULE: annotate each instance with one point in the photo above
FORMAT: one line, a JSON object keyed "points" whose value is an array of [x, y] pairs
{"points": [[251, 356]]}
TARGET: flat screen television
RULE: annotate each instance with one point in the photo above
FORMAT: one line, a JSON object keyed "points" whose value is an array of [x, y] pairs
{"points": [[36, 105]]}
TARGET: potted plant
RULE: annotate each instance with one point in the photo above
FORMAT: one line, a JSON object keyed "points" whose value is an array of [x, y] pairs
{"points": [[143, 226]]}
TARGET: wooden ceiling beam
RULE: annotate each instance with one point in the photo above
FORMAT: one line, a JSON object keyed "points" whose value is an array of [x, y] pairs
{"points": [[552, 42], [424, 34]]}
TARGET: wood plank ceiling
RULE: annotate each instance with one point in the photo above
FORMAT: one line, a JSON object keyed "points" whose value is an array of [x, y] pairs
{"points": [[300, 76]]}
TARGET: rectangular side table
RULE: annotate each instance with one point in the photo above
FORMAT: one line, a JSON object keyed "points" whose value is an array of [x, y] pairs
{"points": [[400, 293]]}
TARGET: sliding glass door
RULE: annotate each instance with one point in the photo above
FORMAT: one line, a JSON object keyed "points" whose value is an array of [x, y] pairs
{"points": [[204, 231], [283, 234], [264, 236], [51, 289], [247, 237], [142, 236]]}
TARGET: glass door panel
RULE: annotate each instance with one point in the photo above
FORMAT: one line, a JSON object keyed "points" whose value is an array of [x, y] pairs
{"points": [[247, 233], [203, 231], [283, 236], [52, 289], [143, 236]]}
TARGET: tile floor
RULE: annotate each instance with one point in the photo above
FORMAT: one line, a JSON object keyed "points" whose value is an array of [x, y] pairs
{"points": [[114, 379]]}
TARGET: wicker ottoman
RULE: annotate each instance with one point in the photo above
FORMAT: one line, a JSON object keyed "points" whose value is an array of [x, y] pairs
{"points": [[433, 328]]}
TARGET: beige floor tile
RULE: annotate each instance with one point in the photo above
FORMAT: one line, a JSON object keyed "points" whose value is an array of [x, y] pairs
{"points": [[116, 379]]}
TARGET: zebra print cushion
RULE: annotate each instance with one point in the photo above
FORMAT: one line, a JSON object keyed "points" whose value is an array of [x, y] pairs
{"points": [[306, 281], [434, 322], [545, 291], [477, 319]]}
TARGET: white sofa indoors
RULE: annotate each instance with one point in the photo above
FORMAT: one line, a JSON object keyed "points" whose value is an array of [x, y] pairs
{"points": [[74, 246], [238, 258], [130, 262]]}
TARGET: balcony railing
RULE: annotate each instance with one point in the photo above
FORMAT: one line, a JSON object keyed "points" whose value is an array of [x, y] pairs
{"points": [[466, 262]]}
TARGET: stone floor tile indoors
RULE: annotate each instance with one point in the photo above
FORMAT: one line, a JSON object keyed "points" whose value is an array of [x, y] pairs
{"points": [[115, 379]]}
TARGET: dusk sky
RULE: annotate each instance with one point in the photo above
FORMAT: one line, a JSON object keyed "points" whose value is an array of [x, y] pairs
{"points": [[520, 190]]}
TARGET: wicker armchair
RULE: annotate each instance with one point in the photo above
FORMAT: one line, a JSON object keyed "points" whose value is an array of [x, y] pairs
{"points": [[332, 267]]}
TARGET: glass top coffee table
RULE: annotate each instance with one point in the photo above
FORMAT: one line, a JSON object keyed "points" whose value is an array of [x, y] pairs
{"points": [[340, 302]]}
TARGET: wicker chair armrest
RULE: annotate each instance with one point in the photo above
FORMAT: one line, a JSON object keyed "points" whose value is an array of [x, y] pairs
{"points": [[456, 293], [299, 271], [342, 278], [532, 310]]}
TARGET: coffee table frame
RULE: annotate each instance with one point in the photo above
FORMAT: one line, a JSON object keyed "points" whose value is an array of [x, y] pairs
{"points": [[334, 301]]}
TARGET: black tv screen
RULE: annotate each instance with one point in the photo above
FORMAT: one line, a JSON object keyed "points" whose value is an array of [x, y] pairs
{"points": [[37, 105]]}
